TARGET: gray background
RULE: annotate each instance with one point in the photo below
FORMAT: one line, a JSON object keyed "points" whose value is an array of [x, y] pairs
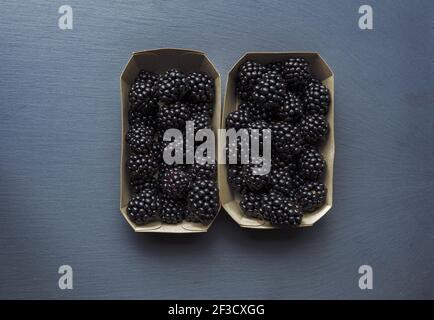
{"points": [[60, 148]]}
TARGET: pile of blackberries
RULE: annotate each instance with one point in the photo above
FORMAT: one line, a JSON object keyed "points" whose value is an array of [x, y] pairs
{"points": [[285, 98], [159, 191]]}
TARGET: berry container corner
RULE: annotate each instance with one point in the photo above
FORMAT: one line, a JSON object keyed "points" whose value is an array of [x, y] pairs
{"points": [[158, 61], [230, 199]]}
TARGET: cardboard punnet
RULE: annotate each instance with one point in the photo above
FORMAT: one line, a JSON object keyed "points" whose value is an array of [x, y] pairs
{"points": [[159, 61], [230, 199]]}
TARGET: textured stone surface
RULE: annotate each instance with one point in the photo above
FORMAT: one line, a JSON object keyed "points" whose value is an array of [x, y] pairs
{"points": [[60, 150]]}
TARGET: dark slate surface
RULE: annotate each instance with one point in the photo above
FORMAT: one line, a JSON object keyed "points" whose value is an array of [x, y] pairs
{"points": [[60, 143]]}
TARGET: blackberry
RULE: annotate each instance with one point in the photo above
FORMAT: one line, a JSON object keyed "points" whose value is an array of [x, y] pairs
{"points": [[256, 176], [200, 87], [203, 170], [297, 181], [172, 211], [255, 111], [201, 121], [281, 180], [147, 76], [279, 210], [175, 182], [286, 138], [236, 177], [275, 66], [311, 164], [270, 90], [311, 196], [314, 128], [290, 110], [140, 137], [142, 93], [203, 200], [250, 203], [296, 72], [280, 162], [142, 164], [316, 99], [138, 184], [144, 207], [171, 86], [238, 119], [248, 76], [173, 116], [201, 108], [141, 117]]}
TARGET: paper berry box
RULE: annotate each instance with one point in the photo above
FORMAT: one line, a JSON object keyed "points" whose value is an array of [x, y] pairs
{"points": [[230, 199], [159, 61]]}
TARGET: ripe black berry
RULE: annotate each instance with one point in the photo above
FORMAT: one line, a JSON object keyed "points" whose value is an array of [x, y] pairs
{"points": [[312, 164]]}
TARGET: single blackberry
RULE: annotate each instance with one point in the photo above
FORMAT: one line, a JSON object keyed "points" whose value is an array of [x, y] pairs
{"points": [[279, 210], [275, 66], [142, 93], [172, 211], [138, 184], [248, 76], [236, 177], [172, 150], [290, 110], [255, 111], [256, 176], [311, 196], [270, 90], [238, 119], [200, 87], [201, 121], [173, 116], [314, 128], [316, 99], [296, 72], [142, 164], [144, 207], [175, 182], [171, 86], [201, 108], [311, 164], [281, 180], [250, 203], [286, 138], [203, 200], [140, 137]]}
